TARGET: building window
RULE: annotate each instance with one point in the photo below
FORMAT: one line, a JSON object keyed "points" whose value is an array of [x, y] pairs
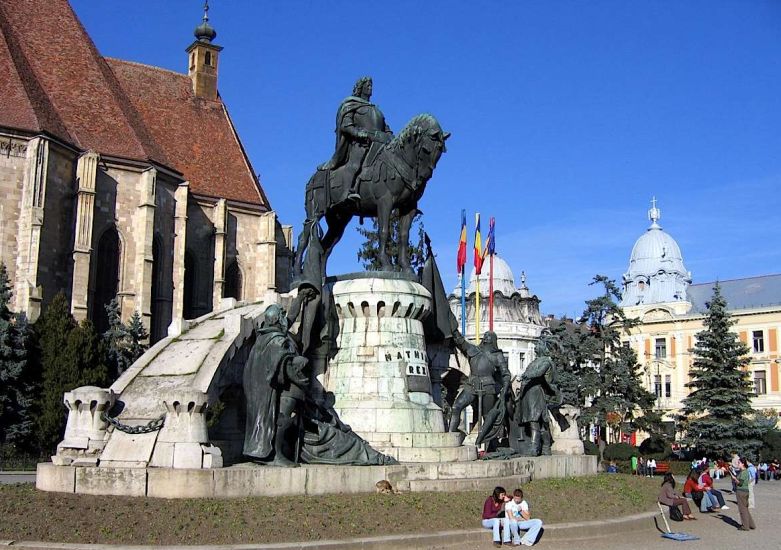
{"points": [[208, 58], [760, 383], [627, 345], [668, 389], [233, 282], [658, 385], [759, 341], [661, 348]]}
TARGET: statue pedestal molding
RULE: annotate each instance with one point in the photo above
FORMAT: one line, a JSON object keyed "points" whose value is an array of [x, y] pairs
{"points": [[567, 442], [380, 375]]}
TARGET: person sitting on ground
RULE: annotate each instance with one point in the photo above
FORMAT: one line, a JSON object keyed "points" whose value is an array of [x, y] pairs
{"points": [[698, 494], [707, 481], [612, 468], [494, 517], [669, 497], [517, 512]]}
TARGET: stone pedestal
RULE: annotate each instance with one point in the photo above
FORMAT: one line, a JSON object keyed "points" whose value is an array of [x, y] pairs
{"points": [[567, 442], [85, 431], [380, 375]]}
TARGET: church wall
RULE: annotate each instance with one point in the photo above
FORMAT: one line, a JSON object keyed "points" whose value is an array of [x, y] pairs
{"points": [[117, 200], [200, 252], [13, 152], [164, 233], [254, 245], [55, 261]]}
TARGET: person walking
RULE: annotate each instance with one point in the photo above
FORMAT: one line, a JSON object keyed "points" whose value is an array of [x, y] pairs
{"points": [[742, 482]]}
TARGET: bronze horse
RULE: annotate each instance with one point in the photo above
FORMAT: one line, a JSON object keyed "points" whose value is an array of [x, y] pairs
{"points": [[394, 178]]}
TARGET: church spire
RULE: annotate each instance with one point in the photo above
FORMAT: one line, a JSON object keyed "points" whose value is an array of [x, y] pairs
{"points": [[654, 214], [203, 57], [205, 32]]}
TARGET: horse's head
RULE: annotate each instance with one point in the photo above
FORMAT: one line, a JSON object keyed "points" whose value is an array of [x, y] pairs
{"points": [[421, 143]]}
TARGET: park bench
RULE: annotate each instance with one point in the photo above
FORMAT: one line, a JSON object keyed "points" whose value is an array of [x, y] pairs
{"points": [[662, 467]]}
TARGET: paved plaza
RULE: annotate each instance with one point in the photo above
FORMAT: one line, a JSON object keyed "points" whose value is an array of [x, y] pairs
{"points": [[716, 531]]}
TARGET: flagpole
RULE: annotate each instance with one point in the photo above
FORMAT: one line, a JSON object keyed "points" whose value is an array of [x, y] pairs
{"points": [[463, 302], [491, 295], [477, 281]]}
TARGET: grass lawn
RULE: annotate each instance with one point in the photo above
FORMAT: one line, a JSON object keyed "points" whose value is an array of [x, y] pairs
{"points": [[28, 514]]}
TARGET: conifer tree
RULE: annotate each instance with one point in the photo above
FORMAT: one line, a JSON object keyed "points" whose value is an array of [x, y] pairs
{"points": [[71, 356], [15, 391], [124, 343], [368, 253], [717, 412], [595, 371]]}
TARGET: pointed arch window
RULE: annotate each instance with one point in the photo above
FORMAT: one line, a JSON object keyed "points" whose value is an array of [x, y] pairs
{"points": [[233, 281], [108, 257]]}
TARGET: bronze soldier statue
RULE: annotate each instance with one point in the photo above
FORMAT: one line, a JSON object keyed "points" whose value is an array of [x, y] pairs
{"points": [[489, 376], [360, 131], [531, 411], [275, 384]]}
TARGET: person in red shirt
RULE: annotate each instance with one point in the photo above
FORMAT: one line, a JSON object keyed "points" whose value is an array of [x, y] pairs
{"points": [[693, 489], [493, 515], [707, 481]]}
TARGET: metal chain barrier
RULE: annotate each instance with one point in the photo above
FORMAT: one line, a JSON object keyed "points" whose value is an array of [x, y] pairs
{"points": [[151, 426]]}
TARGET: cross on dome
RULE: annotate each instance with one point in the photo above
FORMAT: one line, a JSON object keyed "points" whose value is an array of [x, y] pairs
{"points": [[654, 214]]}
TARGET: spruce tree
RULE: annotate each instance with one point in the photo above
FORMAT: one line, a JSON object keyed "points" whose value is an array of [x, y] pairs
{"points": [[124, 343], [15, 392], [71, 356], [368, 253], [138, 337], [717, 412]]}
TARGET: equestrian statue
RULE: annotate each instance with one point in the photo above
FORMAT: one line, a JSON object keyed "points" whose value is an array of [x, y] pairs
{"points": [[371, 173]]}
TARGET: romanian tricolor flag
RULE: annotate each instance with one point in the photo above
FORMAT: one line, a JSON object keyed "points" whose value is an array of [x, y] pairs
{"points": [[490, 240], [461, 256], [478, 246]]}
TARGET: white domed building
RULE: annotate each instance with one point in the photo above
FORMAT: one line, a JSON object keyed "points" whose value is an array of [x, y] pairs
{"points": [[658, 290], [517, 319], [656, 273]]}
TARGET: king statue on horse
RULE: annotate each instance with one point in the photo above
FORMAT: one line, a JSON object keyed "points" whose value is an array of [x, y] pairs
{"points": [[371, 173]]}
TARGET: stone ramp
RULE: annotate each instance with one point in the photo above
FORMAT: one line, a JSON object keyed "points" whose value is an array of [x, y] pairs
{"points": [[176, 379]]}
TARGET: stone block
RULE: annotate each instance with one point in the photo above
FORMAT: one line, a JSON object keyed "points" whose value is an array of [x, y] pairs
{"points": [[180, 357], [255, 480], [188, 455], [111, 481], [173, 483], [322, 480], [212, 456], [163, 455], [59, 479], [124, 447]]}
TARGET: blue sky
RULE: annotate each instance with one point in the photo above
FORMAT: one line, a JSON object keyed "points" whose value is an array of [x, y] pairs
{"points": [[567, 117]]}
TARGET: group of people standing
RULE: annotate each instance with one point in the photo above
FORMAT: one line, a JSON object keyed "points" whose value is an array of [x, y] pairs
{"points": [[699, 487], [507, 516]]}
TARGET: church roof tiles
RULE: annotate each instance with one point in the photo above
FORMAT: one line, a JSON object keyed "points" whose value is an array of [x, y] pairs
{"points": [[53, 80]]}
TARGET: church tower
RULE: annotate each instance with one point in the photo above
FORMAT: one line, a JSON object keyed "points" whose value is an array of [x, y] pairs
{"points": [[203, 59]]}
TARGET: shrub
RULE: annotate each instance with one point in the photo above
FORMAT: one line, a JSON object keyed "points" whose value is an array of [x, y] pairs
{"points": [[620, 451]]}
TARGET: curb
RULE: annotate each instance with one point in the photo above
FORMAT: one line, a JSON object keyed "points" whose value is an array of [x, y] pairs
{"points": [[558, 532]]}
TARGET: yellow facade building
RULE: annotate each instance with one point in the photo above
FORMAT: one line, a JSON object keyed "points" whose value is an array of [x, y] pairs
{"points": [[658, 290]]}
